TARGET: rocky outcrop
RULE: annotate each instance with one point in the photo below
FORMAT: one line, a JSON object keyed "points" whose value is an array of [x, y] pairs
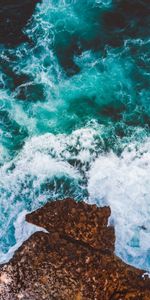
{"points": [[14, 15], [73, 260]]}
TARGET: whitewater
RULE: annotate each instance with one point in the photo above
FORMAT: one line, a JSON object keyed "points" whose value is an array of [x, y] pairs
{"points": [[75, 117]]}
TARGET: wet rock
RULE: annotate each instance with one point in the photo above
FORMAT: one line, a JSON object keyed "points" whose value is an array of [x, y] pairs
{"points": [[14, 15], [74, 260]]}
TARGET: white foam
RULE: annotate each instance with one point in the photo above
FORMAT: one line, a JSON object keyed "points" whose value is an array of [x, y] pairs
{"points": [[124, 184]]}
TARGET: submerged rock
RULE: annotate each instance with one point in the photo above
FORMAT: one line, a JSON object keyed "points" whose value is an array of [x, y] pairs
{"points": [[74, 260], [14, 15]]}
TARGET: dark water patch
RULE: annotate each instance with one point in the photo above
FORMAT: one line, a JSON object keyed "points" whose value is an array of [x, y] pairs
{"points": [[14, 15], [66, 54], [12, 79], [129, 17], [31, 92], [114, 112], [114, 20], [126, 19]]}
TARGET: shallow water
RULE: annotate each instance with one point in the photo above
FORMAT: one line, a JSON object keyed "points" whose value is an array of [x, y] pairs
{"points": [[75, 117]]}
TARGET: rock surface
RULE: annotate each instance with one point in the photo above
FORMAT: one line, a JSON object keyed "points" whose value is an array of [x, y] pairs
{"points": [[74, 260], [14, 15]]}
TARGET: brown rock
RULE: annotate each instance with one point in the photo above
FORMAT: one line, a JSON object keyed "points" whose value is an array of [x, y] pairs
{"points": [[74, 261], [77, 220]]}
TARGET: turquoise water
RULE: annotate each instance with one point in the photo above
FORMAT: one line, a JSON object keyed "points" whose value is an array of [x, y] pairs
{"points": [[75, 117]]}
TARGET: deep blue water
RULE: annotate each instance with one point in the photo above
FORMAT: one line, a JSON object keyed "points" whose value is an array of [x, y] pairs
{"points": [[75, 118]]}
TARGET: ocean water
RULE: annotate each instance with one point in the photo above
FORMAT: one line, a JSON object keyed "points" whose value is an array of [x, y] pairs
{"points": [[75, 119]]}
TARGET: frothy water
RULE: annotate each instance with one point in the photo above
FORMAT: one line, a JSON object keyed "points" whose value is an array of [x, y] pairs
{"points": [[123, 184], [74, 119]]}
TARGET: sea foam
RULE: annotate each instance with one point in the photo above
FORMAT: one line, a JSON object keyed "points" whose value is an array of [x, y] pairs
{"points": [[123, 183]]}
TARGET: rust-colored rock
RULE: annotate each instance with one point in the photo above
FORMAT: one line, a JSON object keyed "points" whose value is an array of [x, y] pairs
{"points": [[79, 221], [74, 260]]}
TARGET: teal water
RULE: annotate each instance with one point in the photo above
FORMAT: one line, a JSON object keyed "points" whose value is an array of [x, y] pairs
{"points": [[75, 119]]}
